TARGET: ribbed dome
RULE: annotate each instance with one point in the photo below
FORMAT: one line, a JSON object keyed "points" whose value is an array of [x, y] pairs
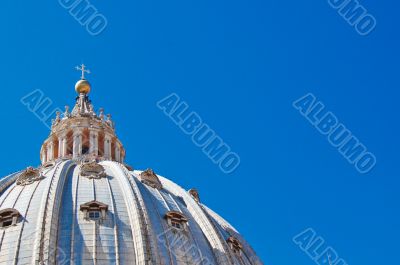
{"points": [[103, 213]]}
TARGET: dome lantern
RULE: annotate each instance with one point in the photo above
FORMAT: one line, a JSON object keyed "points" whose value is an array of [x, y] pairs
{"points": [[82, 134]]}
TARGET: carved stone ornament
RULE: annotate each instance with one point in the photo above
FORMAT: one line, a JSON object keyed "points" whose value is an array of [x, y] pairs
{"points": [[195, 194], [235, 244], [93, 170], [29, 176], [49, 164], [148, 177]]}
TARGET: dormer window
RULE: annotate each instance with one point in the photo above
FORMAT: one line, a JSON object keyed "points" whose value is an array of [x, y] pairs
{"points": [[149, 178], [94, 215], [235, 245], [9, 217], [176, 224], [94, 210], [176, 220]]}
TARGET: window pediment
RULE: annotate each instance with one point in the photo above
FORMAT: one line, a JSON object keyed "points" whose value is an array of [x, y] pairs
{"points": [[93, 205]]}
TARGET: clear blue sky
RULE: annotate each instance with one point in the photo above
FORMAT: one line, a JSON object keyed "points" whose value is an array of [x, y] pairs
{"points": [[240, 65]]}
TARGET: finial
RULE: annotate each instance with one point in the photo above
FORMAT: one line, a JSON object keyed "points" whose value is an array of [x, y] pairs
{"points": [[83, 69]]}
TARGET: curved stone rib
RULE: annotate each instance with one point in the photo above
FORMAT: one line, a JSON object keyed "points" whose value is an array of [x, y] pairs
{"points": [[48, 215], [23, 224], [248, 250], [8, 181], [151, 244], [219, 245], [138, 228], [112, 206]]}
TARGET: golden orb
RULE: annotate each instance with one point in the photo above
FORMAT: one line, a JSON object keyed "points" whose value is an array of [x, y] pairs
{"points": [[82, 87]]}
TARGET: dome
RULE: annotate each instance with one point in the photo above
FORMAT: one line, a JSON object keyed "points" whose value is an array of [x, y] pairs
{"points": [[68, 216], [84, 205], [82, 87]]}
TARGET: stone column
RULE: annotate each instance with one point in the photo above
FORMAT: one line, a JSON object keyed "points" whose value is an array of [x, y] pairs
{"points": [[117, 152], [77, 147], [94, 142], [107, 147], [65, 146], [62, 145], [50, 151], [43, 154]]}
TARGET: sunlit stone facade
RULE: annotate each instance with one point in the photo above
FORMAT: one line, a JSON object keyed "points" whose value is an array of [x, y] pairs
{"points": [[84, 205]]}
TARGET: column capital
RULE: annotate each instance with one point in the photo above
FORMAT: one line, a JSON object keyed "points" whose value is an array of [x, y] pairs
{"points": [[62, 135], [77, 131], [94, 130]]}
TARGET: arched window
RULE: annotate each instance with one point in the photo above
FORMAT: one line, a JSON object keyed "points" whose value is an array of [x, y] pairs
{"points": [[9, 217], [85, 142], [94, 210], [70, 143], [148, 177], [176, 220]]}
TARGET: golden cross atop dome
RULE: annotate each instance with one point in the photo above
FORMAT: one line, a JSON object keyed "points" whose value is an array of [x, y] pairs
{"points": [[83, 69]]}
